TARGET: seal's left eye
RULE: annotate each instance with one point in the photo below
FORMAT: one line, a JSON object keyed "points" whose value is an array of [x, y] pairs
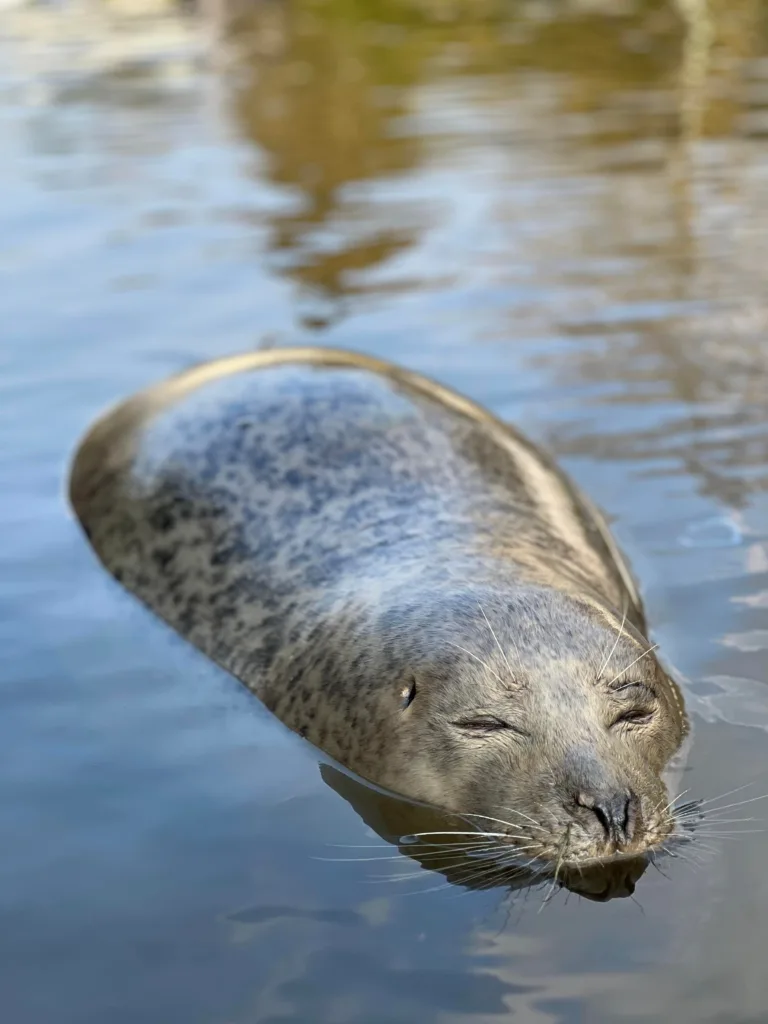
{"points": [[641, 701], [639, 716]]}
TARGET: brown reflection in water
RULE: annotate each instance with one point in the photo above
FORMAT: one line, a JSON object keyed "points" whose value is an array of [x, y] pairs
{"points": [[333, 93], [437, 843], [324, 109], [325, 90], [325, 87]]}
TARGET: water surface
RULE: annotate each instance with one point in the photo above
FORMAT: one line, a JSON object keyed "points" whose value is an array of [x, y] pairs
{"points": [[557, 208]]}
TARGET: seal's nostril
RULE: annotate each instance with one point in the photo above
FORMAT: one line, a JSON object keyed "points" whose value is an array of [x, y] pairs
{"points": [[616, 812], [603, 815]]}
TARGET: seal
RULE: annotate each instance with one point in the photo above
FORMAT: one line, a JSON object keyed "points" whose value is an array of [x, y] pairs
{"points": [[404, 580]]}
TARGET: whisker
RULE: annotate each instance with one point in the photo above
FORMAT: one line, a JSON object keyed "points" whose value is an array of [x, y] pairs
{"points": [[511, 810], [365, 846], [477, 832], [517, 649], [673, 801], [729, 792], [434, 869], [740, 803], [478, 841], [730, 834], [689, 822], [507, 871], [653, 861], [561, 856], [438, 850], [493, 864], [477, 838], [428, 849], [385, 843], [628, 667], [678, 855], [501, 871], [479, 660], [393, 880], [730, 821], [501, 649], [707, 846], [500, 821], [638, 904], [688, 810], [691, 842], [616, 641], [425, 892], [431, 889], [699, 855]]}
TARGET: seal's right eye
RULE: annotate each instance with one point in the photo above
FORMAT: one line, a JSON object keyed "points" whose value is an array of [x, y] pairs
{"points": [[482, 724]]}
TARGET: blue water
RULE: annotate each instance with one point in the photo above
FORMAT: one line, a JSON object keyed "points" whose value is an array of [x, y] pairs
{"points": [[505, 203]]}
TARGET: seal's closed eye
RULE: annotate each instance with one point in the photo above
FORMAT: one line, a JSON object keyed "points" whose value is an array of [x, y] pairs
{"points": [[482, 725], [636, 716], [641, 703]]}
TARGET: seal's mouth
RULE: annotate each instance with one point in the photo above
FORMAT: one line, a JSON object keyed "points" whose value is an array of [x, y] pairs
{"points": [[603, 860], [573, 851]]}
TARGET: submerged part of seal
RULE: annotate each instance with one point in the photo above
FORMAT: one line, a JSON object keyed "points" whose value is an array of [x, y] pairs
{"points": [[405, 581]]}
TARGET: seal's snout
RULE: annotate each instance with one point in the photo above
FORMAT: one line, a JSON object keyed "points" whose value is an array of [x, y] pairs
{"points": [[616, 812]]}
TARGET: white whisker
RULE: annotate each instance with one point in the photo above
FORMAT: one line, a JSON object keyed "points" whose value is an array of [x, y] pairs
{"points": [[501, 649], [628, 667], [741, 803], [500, 821], [511, 810], [492, 865], [616, 641], [477, 832], [560, 859], [673, 801], [437, 850], [728, 821], [730, 792], [479, 660], [727, 835]]}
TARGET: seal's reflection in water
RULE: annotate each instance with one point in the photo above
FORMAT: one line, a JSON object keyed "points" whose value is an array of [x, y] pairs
{"points": [[442, 843]]}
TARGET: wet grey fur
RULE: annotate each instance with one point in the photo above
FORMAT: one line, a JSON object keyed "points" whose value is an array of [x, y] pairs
{"points": [[382, 561]]}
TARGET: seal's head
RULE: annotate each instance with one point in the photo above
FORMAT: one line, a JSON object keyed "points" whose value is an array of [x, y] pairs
{"points": [[542, 719]]}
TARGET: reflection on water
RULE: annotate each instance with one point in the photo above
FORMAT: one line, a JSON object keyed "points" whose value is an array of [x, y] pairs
{"points": [[442, 845], [556, 207]]}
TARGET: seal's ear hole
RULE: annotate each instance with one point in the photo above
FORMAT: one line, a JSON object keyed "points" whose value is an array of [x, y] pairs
{"points": [[408, 694]]}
